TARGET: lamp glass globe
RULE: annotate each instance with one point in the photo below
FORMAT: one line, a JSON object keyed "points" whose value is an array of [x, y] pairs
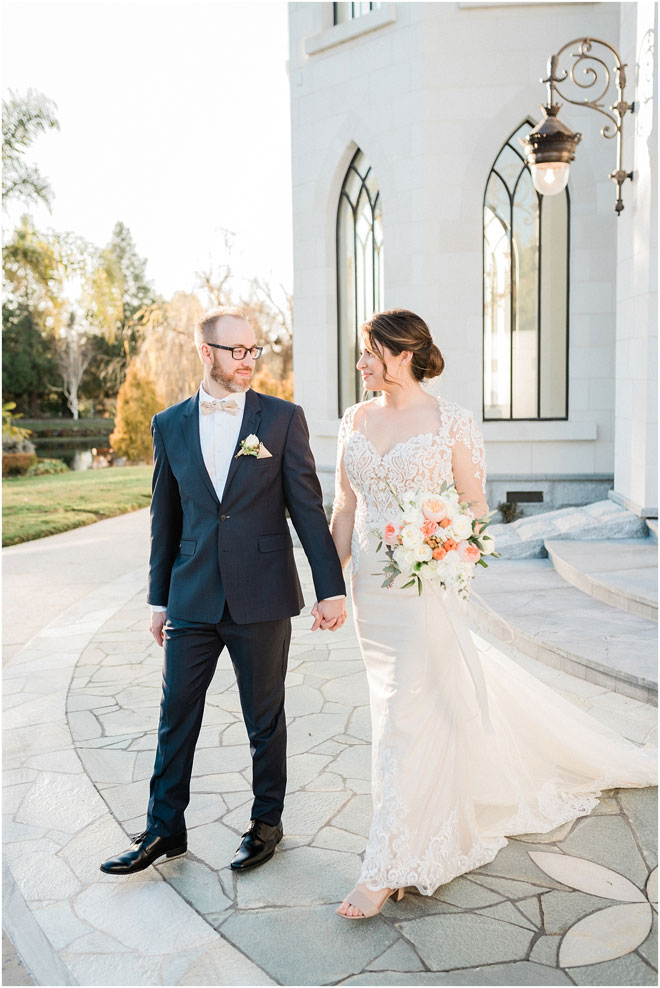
{"points": [[550, 177]]}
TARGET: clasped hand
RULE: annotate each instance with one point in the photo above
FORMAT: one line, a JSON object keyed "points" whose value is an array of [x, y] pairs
{"points": [[329, 615]]}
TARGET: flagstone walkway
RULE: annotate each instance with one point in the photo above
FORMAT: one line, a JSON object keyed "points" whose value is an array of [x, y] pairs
{"points": [[577, 906]]}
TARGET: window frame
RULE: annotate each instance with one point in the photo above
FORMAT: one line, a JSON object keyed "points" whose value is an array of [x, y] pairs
{"points": [[539, 286], [372, 6], [343, 196]]}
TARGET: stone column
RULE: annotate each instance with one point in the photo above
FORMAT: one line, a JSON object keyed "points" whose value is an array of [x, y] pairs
{"points": [[635, 439]]}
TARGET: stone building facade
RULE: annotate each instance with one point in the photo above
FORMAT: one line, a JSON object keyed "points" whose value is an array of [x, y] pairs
{"points": [[406, 119]]}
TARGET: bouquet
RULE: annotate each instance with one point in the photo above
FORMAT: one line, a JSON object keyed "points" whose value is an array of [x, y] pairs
{"points": [[436, 537]]}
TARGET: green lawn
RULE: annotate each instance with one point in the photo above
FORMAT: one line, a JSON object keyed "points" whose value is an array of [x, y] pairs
{"points": [[37, 506]]}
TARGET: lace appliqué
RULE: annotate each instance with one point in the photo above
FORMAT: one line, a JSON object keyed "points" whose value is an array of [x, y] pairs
{"points": [[390, 862], [423, 461]]}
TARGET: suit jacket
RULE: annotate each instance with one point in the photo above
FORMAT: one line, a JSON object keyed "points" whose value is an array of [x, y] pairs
{"points": [[204, 551]]}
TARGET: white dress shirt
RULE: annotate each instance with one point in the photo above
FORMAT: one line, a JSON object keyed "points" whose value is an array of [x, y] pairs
{"points": [[218, 436]]}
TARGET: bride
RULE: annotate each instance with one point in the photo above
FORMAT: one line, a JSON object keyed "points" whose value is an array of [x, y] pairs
{"points": [[461, 756]]}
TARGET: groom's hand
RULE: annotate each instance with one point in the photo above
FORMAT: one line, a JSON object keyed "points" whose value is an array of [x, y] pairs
{"points": [[329, 615], [156, 626]]}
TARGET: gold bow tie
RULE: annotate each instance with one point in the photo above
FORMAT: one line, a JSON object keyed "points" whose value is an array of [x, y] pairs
{"points": [[228, 405]]}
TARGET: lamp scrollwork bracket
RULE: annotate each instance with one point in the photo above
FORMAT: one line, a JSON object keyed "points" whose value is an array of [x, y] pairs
{"points": [[587, 71]]}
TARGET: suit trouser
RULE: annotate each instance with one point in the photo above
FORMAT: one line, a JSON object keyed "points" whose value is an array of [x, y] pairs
{"points": [[259, 654]]}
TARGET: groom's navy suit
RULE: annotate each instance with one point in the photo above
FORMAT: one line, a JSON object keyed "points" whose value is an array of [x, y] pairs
{"points": [[225, 570]]}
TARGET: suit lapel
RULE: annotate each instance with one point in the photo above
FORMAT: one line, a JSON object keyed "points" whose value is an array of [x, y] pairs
{"points": [[190, 426], [250, 424]]}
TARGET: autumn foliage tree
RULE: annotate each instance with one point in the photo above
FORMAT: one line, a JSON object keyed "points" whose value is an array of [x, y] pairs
{"points": [[137, 403]]}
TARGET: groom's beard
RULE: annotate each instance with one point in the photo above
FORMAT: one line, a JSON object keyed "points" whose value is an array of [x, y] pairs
{"points": [[232, 382]]}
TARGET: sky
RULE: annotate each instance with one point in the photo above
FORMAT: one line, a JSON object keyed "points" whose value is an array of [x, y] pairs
{"points": [[174, 119]]}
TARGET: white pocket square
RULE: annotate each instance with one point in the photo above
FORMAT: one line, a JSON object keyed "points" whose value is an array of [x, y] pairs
{"points": [[263, 452]]}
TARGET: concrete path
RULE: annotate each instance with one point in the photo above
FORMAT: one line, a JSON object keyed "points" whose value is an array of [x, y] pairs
{"points": [[81, 695]]}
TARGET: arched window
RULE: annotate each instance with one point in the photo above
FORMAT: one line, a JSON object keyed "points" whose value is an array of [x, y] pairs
{"points": [[526, 244], [359, 269]]}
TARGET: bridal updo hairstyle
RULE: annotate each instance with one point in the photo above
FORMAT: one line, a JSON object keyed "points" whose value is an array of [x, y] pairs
{"points": [[399, 330]]}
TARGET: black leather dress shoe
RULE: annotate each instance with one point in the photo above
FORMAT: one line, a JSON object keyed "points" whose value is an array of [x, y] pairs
{"points": [[149, 848], [258, 845]]}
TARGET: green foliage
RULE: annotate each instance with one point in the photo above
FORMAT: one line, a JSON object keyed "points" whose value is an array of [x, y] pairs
{"points": [[23, 119], [47, 466], [29, 365], [9, 428], [116, 298], [137, 403], [70, 428]]}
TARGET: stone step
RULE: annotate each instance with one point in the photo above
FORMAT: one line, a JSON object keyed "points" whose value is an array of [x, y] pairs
{"points": [[620, 572], [526, 604], [526, 537], [652, 524]]}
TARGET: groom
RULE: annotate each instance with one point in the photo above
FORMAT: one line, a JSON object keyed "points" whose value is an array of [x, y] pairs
{"points": [[228, 463]]}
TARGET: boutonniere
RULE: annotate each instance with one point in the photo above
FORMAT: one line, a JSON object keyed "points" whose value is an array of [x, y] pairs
{"points": [[252, 446]]}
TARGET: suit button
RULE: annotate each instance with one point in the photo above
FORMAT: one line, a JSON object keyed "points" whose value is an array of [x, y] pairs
{"points": [[222, 517]]}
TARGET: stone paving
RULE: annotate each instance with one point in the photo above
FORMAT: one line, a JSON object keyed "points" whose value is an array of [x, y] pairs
{"points": [[576, 906]]}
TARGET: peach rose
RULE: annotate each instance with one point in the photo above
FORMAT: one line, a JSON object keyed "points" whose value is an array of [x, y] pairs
{"points": [[445, 523], [448, 545], [439, 553], [469, 552], [391, 535], [429, 527], [434, 509]]}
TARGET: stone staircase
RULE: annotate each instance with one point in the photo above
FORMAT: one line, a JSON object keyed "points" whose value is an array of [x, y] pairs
{"points": [[526, 538], [588, 606]]}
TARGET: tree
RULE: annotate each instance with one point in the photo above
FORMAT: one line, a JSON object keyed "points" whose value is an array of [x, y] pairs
{"points": [[34, 271], [137, 403], [29, 363], [23, 119], [74, 352], [116, 298], [168, 354], [271, 313]]}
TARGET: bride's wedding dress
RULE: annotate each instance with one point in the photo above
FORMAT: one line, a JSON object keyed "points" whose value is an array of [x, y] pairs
{"points": [[461, 758]]}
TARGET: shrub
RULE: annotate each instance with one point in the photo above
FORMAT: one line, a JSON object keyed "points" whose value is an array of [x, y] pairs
{"points": [[16, 464], [12, 434], [46, 466], [137, 403], [509, 511]]}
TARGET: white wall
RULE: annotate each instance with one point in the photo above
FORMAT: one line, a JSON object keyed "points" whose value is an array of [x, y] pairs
{"points": [[430, 99], [636, 463]]}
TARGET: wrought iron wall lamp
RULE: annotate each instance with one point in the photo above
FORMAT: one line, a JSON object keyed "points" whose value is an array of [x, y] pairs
{"points": [[550, 148]]}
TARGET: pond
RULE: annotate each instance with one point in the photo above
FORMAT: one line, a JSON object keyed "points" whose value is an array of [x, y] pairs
{"points": [[78, 454]]}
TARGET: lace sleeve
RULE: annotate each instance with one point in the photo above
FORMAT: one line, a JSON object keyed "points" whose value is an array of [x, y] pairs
{"points": [[343, 508], [469, 461]]}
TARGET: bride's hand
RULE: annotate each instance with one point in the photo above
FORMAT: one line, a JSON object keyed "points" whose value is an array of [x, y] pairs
{"points": [[329, 615]]}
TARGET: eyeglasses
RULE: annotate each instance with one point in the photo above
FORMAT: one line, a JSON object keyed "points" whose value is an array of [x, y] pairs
{"points": [[238, 352]]}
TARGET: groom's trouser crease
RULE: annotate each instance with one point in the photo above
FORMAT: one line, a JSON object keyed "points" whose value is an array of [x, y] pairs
{"points": [[191, 651]]}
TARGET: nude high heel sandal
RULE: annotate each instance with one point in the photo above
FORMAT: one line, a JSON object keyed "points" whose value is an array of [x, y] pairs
{"points": [[366, 905]]}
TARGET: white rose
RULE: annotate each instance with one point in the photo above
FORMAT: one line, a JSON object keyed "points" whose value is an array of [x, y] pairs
{"points": [[431, 570], [423, 553], [412, 537], [452, 561], [404, 558], [251, 440], [462, 527], [413, 516], [488, 545]]}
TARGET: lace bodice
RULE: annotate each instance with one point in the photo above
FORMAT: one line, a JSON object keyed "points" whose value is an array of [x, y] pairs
{"points": [[453, 453]]}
